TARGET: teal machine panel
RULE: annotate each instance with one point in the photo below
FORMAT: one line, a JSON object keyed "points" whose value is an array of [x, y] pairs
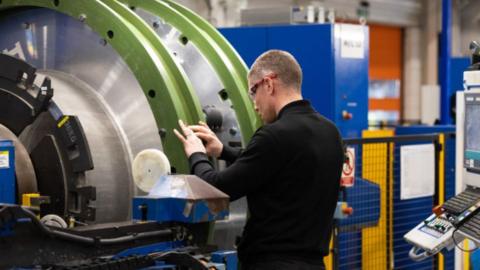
{"points": [[334, 59], [7, 172]]}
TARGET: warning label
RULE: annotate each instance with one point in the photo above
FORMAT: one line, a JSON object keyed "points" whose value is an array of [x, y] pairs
{"points": [[348, 172]]}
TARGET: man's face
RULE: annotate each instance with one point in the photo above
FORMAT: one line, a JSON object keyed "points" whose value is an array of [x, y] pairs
{"points": [[261, 94]]}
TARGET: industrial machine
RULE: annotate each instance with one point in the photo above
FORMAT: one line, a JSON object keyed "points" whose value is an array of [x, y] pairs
{"points": [[85, 86], [458, 218]]}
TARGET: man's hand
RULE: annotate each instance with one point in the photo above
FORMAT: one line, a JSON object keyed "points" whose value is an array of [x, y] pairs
{"points": [[213, 145], [191, 143]]}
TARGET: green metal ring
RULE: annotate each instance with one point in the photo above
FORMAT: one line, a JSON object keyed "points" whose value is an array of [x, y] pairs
{"points": [[219, 39], [224, 60]]}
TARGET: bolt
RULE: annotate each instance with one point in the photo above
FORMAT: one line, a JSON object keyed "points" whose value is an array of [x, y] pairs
{"points": [[82, 17], [103, 42], [156, 25], [162, 132]]}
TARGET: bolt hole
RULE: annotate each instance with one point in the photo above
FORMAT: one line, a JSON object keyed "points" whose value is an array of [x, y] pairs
{"points": [[184, 40], [103, 42], [173, 170], [110, 34], [223, 94], [56, 2], [151, 93], [132, 8]]}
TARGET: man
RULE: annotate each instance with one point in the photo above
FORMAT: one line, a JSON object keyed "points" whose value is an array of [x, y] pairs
{"points": [[289, 171]]}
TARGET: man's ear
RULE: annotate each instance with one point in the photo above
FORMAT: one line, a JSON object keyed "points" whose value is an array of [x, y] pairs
{"points": [[270, 87]]}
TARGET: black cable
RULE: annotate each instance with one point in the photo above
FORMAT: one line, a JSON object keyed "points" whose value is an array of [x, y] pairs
{"points": [[180, 259], [92, 240], [456, 244]]}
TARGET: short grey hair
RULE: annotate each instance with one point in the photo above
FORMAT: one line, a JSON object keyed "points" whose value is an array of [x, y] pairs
{"points": [[282, 63]]}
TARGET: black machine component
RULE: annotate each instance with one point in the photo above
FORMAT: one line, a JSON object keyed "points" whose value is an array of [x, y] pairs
{"points": [[91, 247], [182, 259], [127, 263], [179, 259], [16, 79], [23, 234], [56, 143], [214, 118], [460, 203]]}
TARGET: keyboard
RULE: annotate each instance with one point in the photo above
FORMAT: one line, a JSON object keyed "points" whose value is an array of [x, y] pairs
{"points": [[471, 227], [458, 204]]}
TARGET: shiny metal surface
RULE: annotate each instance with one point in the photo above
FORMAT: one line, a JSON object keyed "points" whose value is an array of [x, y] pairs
{"points": [[90, 80], [207, 86], [227, 231], [205, 81], [24, 171], [111, 174]]}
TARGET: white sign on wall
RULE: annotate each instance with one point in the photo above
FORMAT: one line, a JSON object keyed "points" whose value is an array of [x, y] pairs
{"points": [[352, 41], [417, 171]]}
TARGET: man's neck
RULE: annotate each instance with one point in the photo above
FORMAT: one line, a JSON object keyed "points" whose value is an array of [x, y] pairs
{"points": [[282, 102]]}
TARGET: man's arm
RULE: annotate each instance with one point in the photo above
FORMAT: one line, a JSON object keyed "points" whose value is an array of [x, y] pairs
{"points": [[230, 154], [257, 164]]}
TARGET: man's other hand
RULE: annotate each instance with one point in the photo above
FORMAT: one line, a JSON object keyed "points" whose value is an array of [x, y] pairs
{"points": [[191, 143], [213, 145]]}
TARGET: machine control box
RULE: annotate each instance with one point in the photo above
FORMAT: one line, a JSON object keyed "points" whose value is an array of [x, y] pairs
{"points": [[7, 172], [458, 214], [432, 235]]}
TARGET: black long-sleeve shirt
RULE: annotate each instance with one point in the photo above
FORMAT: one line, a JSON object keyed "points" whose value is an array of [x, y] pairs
{"points": [[290, 174]]}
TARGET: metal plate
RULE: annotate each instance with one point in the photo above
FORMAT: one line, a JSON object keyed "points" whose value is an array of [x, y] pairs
{"points": [[90, 80], [205, 81]]}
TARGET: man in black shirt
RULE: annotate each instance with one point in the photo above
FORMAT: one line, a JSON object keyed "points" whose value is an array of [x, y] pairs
{"points": [[289, 171]]}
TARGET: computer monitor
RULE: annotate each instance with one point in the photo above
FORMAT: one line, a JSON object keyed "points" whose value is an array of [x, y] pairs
{"points": [[472, 132]]}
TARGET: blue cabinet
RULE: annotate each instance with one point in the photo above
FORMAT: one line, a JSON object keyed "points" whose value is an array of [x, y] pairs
{"points": [[334, 60]]}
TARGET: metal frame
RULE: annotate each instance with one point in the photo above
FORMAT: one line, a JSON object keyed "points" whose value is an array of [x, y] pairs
{"points": [[438, 139]]}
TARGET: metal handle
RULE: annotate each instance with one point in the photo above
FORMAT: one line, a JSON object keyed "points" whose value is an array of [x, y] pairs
{"points": [[418, 257]]}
